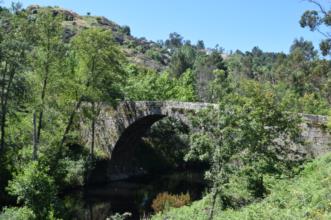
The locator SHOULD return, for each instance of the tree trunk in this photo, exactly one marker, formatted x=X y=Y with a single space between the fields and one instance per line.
x=3 y=124
x=2 y=144
x=43 y=94
x=70 y=122
x=73 y=113
x=213 y=201
x=35 y=145
x=4 y=107
x=93 y=131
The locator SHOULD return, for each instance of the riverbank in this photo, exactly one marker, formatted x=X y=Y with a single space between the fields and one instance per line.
x=306 y=196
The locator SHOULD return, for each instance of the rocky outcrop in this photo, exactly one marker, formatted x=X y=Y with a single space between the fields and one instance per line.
x=67 y=14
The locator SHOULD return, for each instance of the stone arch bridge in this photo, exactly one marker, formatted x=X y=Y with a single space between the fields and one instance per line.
x=117 y=131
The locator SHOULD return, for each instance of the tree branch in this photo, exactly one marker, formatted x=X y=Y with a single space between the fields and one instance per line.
x=320 y=7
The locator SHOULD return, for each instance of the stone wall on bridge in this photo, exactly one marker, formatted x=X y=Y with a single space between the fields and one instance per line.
x=315 y=134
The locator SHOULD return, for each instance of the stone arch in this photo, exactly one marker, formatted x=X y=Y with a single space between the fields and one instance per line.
x=119 y=127
x=124 y=148
x=112 y=122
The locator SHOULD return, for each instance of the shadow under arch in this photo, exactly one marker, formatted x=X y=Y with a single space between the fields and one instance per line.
x=122 y=163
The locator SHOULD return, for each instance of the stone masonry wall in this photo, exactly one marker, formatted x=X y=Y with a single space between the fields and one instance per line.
x=111 y=123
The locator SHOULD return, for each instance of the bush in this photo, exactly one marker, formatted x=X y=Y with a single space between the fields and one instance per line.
x=23 y=213
x=165 y=200
x=306 y=196
x=74 y=171
x=35 y=189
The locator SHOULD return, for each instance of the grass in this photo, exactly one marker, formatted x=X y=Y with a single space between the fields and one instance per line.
x=308 y=196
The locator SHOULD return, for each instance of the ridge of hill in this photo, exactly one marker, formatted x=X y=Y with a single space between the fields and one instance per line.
x=140 y=51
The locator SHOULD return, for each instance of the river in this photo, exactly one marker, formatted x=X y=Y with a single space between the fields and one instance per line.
x=135 y=195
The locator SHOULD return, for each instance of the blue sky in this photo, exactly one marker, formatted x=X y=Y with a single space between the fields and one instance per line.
x=233 y=24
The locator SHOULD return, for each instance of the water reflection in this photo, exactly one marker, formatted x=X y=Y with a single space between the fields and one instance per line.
x=134 y=196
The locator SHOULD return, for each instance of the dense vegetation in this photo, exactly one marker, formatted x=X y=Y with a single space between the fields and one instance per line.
x=57 y=67
x=306 y=196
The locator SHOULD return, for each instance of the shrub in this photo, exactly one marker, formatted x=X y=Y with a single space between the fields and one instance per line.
x=74 y=171
x=35 y=189
x=165 y=200
x=23 y=213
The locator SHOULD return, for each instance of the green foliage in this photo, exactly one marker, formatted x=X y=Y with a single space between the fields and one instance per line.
x=206 y=69
x=318 y=21
x=22 y=213
x=35 y=189
x=99 y=65
x=298 y=79
x=60 y=76
x=174 y=41
x=184 y=87
x=14 y=44
x=153 y=86
x=182 y=59
x=309 y=103
x=303 y=197
x=200 y=45
x=306 y=48
x=74 y=171
x=155 y=55
x=241 y=140
x=126 y=30
x=219 y=87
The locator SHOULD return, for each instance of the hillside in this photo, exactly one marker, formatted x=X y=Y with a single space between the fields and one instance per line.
x=300 y=76
x=137 y=50
x=304 y=197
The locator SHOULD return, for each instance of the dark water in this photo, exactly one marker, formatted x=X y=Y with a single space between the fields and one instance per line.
x=134 y=196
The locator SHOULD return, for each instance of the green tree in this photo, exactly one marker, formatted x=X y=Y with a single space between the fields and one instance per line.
x=184 y=87
x=175 y=41
x=46 y=63
x=149 y=85
x=182 y=59
x=200 y=45
x=15 y=213
x=35 y=189
x=14 y=90
x=219 y=87
x=243 y=136
x=319 y=20
x=203 y=72
x=306 y=48
x=13 y=47
x=100 y=72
